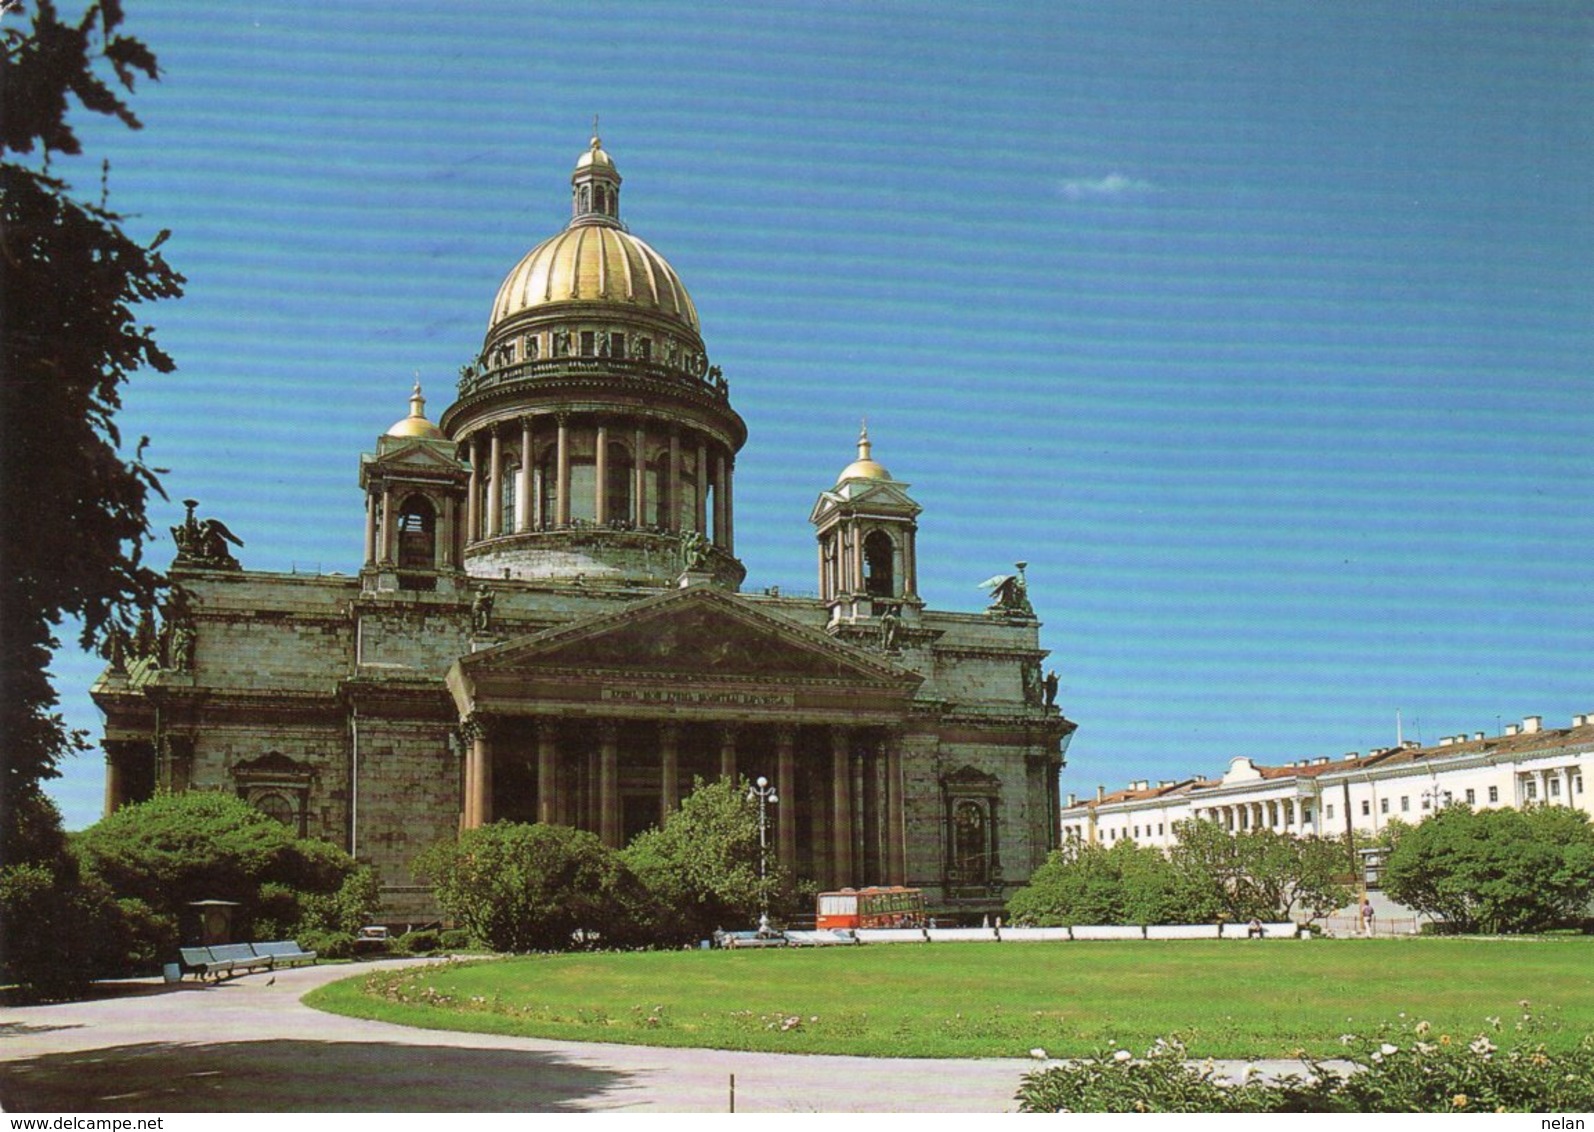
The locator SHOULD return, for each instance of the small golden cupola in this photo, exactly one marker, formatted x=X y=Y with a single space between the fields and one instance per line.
x=416 y=423
x=864 y=467
x=595 y=187
x=866 y=527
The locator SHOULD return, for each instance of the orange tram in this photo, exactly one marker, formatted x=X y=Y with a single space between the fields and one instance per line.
x=894 y=907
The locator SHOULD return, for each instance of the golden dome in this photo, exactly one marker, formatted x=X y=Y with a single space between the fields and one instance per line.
x=594 y=260
x=595 y=156
x=416 y=423
x=863 y=468
x=590 y=263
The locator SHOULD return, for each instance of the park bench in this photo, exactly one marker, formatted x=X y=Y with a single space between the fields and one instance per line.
x=240 y=955
x=284 y=951
x=223 y=959
x=202 y=963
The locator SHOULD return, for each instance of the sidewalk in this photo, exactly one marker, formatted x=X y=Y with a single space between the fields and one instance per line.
x=249 y=1045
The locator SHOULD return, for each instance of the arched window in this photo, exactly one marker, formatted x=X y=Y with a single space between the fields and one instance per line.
x=417 y=533
x=659 y=491
x=484 y=493
x=599 y=200
x=548 y=488
x=617 y=492
x=878 y=553
x=279 y=809
x=831 y=581
x=507 y=494
x=583 y=489
x=687 y=515
x=970 y=853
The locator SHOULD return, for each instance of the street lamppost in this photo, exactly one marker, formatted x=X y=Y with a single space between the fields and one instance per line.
x=764 y=794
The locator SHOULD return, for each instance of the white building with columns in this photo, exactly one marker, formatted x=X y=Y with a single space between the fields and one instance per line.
x=1529 y=764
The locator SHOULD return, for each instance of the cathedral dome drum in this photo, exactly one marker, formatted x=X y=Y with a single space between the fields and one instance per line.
x=600 y=443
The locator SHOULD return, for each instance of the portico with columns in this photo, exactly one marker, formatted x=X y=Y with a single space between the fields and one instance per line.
x=605 y=724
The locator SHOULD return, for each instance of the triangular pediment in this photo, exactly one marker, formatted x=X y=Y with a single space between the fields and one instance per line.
x=700 y=632
x=419 y=455
x=273 y=765
x=885 y=497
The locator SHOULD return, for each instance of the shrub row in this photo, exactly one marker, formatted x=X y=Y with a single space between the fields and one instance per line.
x=1417 y=1071
x=114 y=900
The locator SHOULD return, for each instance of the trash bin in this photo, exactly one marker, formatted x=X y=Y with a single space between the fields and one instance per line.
x=173 y=972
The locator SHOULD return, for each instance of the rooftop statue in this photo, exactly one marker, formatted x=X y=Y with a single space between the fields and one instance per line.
x=202 y=543
x=890 y=629
x=694 y=551
x=481 y=611
x=1009 y=594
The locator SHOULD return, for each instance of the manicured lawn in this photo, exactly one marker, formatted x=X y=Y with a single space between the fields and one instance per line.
x=1224 y=999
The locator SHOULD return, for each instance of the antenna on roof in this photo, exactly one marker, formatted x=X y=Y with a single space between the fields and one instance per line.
x=1400 y=739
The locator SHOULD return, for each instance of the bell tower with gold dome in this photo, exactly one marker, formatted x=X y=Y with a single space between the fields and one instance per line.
x=600 y=441
x=866 y=527
x=414 y=497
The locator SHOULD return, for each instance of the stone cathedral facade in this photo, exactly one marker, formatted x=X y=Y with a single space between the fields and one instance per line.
x=548 y=626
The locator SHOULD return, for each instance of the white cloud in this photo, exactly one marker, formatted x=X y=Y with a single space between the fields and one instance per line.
x=1112 y=185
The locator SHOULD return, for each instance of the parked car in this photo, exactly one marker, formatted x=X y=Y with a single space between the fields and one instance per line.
x=371 y=939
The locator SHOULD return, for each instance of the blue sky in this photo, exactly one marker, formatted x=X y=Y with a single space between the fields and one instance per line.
x=1262 y=332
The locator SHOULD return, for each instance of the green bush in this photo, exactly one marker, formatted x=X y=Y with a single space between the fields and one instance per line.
x=1209 y=874
x=328 y=945
x=1496 y=870
x=51 y=924
x=148 y=938
x=60 y=926
x=1114 y=1080
x=351 y=907
x=454 y=939
x=517 y=887
x=277 y=912
x=1409 y=1069
x=702 y=866
x=421 y=942
x=178 y=848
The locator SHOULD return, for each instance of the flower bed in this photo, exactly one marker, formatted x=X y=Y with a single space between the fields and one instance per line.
x=1403 y=1067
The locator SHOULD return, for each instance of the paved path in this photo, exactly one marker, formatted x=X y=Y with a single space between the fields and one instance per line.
x=250 y=1045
